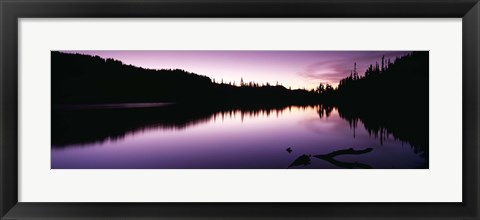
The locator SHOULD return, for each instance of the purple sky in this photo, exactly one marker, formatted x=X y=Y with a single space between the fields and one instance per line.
x=297 y=69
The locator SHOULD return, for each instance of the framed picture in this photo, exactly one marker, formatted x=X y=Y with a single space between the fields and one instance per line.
x=226 y=109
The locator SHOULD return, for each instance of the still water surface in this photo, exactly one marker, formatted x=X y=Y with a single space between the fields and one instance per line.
x=172 y=137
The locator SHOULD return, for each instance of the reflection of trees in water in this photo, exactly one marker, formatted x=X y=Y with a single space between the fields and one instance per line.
x=405 y=124
x=325 y=111
x=85 y=126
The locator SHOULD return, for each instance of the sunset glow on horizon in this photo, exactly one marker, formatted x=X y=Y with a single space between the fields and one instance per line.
x=294 y=69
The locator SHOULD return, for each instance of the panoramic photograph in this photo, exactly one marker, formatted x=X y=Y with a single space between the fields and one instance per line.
x=239 y=109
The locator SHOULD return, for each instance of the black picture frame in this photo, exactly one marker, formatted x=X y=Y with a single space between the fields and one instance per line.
x=12 y=10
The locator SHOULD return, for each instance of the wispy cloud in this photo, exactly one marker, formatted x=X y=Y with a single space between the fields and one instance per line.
x=333 y=70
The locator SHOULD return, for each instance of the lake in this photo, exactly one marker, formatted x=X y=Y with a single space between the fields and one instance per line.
x=169 y=136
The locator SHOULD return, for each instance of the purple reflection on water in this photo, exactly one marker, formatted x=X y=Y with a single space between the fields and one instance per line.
x=240 y=141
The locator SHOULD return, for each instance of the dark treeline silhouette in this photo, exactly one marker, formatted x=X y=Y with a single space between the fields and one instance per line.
x=390 y=98
x=88 y=79
x=398 y=83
